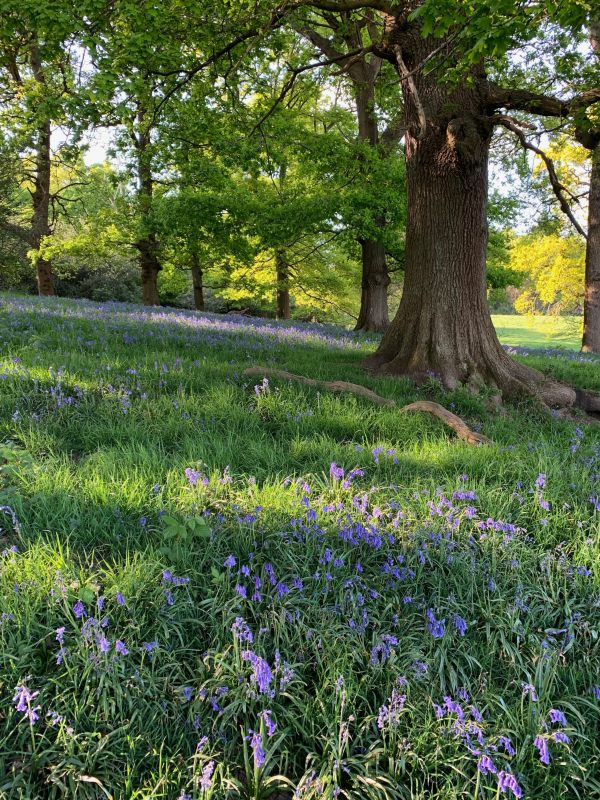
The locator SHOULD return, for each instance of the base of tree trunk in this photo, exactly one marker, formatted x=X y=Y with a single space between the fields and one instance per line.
x=373 y=316
x=150 y=295
x=197 y=283
x=45 y=278
x=458 y=351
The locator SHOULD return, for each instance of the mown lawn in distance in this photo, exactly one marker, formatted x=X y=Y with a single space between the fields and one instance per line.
x=215 y=587
x=549 y=332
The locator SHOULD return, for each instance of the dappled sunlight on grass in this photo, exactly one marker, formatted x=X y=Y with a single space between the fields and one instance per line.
x=189 y=559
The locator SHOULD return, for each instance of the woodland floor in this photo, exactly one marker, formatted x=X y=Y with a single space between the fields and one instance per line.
x=214 y=587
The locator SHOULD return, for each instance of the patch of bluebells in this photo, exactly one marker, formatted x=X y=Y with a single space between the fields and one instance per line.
x=364 y=552
x=24 y=703
x=436 y=627
x=262 y=676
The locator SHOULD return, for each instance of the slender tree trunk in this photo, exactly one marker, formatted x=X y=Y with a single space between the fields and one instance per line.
x=590 y=138
x=375 y=279
x=40 y=220
x=591 y=305
x=443 y=327
x=147 y=244
x=197 y=276
x=283 y=290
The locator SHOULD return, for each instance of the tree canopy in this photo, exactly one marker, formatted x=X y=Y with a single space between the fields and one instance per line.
x=315 y=157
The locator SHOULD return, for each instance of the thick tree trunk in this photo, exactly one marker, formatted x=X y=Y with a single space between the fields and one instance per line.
x=197 y=277
x=373 y=315
x=283 y=289
x=591 y=305
x=443 y=327
x=375 y=279
x=40 y=220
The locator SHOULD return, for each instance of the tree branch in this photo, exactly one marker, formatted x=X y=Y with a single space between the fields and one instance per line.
x=557 y=186
x=544 y=105
x=407 y=77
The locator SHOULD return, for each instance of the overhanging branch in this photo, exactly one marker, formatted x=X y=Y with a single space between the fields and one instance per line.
x=557 y=187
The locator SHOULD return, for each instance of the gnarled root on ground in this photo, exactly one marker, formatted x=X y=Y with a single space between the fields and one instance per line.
x=458 y=425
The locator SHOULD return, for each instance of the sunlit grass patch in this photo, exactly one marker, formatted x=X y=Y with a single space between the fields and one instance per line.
x=213 y=590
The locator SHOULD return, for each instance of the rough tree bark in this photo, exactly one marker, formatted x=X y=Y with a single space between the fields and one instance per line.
x=197 y=282
x=40 y=220
x=147 y=244
x=591 y=304
x=443 y=327
x=283 y=290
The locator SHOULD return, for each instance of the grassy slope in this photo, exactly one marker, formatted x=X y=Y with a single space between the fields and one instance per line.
x=103 y=409
x=546 y=332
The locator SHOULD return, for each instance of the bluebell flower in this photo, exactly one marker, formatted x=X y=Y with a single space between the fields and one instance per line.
x=79 y=609
x=192 y=475
x=270 y=725
x=485 y=765
x=557 y=717
x=335 y=471
x=242 y=630
x=506 y=743
x=460 y=624
x=261 y=672
x=121 y=648
x=256 y=743
x=508 y=782
x=529 y=690
x=206 y=777
x=23 y=700
x=437 y=627
x=542 y=745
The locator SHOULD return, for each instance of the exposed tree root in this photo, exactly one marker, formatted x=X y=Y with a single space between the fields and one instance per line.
x=332 y=386
x=458 y=425
x=448 y=418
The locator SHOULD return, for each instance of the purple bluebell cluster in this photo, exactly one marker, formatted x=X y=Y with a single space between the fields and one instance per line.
x=277 y=626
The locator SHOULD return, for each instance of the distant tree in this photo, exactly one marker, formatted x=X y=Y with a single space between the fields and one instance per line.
x=36 y=96
x=344 y=47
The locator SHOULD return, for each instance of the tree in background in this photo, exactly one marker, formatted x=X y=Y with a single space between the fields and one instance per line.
x=342 y=40
x=37 y=42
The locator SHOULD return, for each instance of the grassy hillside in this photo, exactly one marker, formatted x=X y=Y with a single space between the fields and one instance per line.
x=218 y=587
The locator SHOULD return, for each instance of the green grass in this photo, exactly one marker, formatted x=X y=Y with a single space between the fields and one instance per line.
x=539 y=331
x=102 y=411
